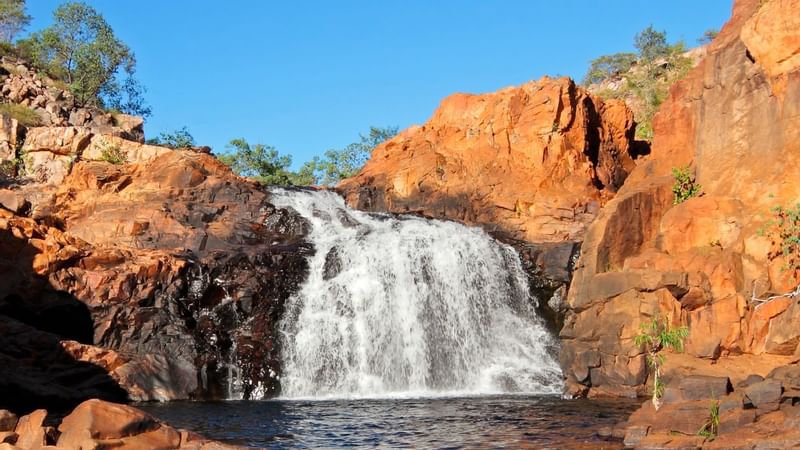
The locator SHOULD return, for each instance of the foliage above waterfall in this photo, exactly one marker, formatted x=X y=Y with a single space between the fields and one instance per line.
x=337 y=165
x=265 y=164
x=643 y=78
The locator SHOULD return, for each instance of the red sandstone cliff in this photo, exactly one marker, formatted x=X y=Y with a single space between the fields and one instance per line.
x=735 y=121
x=535 y=161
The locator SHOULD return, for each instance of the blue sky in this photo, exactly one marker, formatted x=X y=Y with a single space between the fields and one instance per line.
x=307 y=76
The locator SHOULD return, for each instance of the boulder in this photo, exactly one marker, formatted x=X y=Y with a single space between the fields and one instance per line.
x=13 y=200
x=62 y=141
x=765 y=396
x=698 y=387
x=731 y=421
x=789 y=377
x=99 y=424
x=99 y=420
x=131 y=127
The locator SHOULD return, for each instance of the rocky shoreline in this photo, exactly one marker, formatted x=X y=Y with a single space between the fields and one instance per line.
x=97 y=424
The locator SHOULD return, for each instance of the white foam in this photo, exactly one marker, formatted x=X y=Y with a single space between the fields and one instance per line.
x=419 y=308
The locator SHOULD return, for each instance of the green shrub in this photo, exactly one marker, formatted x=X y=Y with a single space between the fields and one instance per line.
x=260 y=162
x=180 y=138
x=656 y=336
x=8 y=168
x=81 y=49
x=113 y=154
x=338 y=164
x=608 y=66
x=24 y=115
x=783 y=230
x=685 y=186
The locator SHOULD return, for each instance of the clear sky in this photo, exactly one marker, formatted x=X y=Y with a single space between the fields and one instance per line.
x=306 y=76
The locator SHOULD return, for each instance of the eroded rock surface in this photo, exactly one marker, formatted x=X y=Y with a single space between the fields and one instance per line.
x=759 y=413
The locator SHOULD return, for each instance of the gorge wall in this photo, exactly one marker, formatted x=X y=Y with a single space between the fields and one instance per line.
x=734 y=120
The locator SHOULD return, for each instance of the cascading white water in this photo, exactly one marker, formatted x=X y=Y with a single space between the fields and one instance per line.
x=404 y=306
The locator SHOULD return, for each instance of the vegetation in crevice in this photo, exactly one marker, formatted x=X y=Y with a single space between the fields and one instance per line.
x=783 y=230
x=24 y=115
x=685 y=185
x=710 y=429
x=655 y=336
x=113 y=154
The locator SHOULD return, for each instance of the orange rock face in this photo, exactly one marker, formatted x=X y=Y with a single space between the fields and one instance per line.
x=735 y=122
x=535 y=161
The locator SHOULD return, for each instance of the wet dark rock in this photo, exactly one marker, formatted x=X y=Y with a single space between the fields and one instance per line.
x=333 y=264
x=549 y=268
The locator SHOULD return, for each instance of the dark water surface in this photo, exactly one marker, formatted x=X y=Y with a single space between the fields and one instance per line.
x=474 y=422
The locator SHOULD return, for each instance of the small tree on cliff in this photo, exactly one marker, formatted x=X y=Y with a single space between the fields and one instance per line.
x=651 y=44
x=608 y=66
x=646 y=75
x=81 y=49
x=656 y=336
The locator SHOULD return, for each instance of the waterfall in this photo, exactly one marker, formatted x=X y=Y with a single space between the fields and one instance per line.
x=405 y=306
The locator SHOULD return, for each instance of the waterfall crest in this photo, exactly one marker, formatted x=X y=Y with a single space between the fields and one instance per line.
x=405 y=306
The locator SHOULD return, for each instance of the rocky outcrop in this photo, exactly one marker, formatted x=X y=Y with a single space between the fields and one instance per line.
x=702 y=263
x=535 y=162
x=97 y=424
x=54 y=104
x=710 y=412
x=157 y=279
